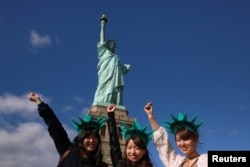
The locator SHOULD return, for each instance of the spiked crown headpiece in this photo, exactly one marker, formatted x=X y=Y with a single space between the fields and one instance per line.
x=88 y=122
x=136 y=130
x=182 y=122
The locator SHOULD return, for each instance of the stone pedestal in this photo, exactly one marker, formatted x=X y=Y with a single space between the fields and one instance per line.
x=121 y=115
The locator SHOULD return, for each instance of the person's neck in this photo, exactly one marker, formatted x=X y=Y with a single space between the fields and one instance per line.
x=192 y=156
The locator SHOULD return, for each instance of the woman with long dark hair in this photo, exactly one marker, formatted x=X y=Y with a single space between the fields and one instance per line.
x=85 y=150
x=135 y=152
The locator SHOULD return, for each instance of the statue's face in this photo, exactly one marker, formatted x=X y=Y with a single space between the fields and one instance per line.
x=111 y=46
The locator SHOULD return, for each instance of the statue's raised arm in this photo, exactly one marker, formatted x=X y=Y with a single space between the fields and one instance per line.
x=103 y=20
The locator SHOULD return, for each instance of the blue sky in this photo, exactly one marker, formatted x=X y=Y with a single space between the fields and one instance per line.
x=185 y=56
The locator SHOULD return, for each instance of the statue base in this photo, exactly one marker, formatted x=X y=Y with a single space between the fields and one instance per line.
x=120 y=107
x=121 y=115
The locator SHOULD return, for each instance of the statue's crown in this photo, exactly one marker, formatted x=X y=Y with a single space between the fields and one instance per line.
x=136 y=130
x=182 y=122
x=88 y=122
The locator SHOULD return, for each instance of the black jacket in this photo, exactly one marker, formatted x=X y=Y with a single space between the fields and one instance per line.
x=61 y=140
x=115 y=150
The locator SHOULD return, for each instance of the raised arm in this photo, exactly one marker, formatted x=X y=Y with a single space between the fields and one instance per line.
x=115 y=150
x=55 y=128
x=165 y=150
x=103 y=20
x=148 y=108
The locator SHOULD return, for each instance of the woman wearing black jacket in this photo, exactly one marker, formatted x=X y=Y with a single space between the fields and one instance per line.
x=135 y=152
x=85 y=150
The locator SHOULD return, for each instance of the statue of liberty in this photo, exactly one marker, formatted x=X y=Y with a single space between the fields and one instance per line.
x=110 y=71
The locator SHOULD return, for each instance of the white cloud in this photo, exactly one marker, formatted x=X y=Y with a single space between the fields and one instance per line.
x=79 y=99
x=38 y=40
x=68 y=108
x=27 y=143
x=10 y=104
x=233 y=132
x=58 y=41
x=244 y=108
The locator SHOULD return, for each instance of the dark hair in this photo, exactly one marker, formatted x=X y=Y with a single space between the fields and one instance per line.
x=145 y=161
x=92 y=157
x=186 y=134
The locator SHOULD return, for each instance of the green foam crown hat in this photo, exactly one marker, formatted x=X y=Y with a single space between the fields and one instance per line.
x=182 y=122
x=136 y=130
x=88 y=122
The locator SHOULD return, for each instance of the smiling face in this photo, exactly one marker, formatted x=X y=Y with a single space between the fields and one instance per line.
x=186 y=142
x=90 y=142
x=134 y=150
